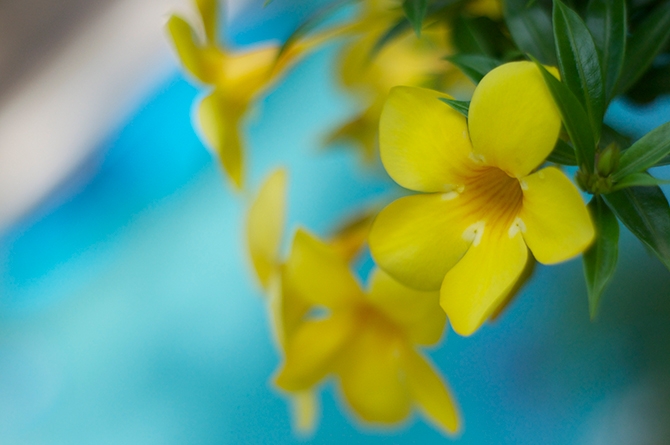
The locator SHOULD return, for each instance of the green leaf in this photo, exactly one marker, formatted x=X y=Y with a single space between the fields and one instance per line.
x=606 y=19
x=474 y=66
x=531 y=29
x=601 y=258
x=664 y=161
x=638 y=180
x=647 y=41
x=574 y=118
x=415 y=11
x=645 y=211
x=645 y=153
x=563 y=154
x=578 y=62
x=475 y=35
x=610 y=135
x=459 y=105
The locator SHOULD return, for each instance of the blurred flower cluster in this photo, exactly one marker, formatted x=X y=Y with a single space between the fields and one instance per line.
x=492 y=172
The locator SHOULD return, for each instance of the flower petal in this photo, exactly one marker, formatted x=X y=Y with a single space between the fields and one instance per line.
x=370 y=375
x=247 y=72
x=481 y=281
x=417 y=239
x=360 y=131
x=305 y=409
x=196 y=59
x=423 y=142
x=350 y=238
x=557 y=225
x=513 y=120
x=525 y=276
x=286 y=309
x=311 y=352
x=319 y=275
x=430 y=392
x=265 y=225
x=208 y=10
x=219 y=123
x=418 y=312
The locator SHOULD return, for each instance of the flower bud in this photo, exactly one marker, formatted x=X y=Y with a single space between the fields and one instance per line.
x=607 y=160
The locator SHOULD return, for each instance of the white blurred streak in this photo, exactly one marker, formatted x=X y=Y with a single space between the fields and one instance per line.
x=55 y=118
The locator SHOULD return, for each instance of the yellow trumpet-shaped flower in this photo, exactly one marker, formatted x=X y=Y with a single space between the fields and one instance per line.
x=404 y=60
x=483 y=207
x=407 y=60
x=237 y=78
x=265 y=227
x=367 y=339
x=264 y=232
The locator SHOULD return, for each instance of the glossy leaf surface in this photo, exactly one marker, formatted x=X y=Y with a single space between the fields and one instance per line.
x=601 y=258
x=645 y=211
x=578 y=62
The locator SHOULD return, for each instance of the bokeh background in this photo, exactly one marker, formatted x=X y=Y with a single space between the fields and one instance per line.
x=128 y=310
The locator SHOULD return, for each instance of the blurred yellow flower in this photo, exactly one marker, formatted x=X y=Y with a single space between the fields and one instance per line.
x=237 y=78
x=368 y=340
x=489 y=8
x=264 y=232
x=406 y=60
x=469 y=234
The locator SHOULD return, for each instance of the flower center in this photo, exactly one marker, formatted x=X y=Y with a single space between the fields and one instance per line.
x=371 y=317
x=491 y=198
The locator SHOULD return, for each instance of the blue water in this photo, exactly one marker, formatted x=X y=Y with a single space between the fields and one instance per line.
x=129 y=315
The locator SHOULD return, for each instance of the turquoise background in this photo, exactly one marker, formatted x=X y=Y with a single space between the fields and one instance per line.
x=129 y=313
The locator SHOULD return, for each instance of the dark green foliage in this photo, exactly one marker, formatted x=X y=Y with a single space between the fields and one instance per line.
x=415 y=11
x=579 y=64
x=647 y=41
x=563 y=154
x=645 y=211
x=474 y=66
x=574 y=118
x=461 y=106
x=606 y=19
x=601 y=258
x=531 y=29
x=645 y=153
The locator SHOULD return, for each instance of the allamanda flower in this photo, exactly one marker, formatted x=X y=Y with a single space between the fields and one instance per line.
x=483 y=206
x=237 y=79
x=406 y=60
x=367 y=339
x=287 y=310
x=264 y=231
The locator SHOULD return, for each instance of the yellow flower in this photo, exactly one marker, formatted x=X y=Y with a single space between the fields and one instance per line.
x=237 y=79
x=406 y=60
x=351 y=237
x=488 y=8
x=483 y=206
x=264 y=232
x=367 y=339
